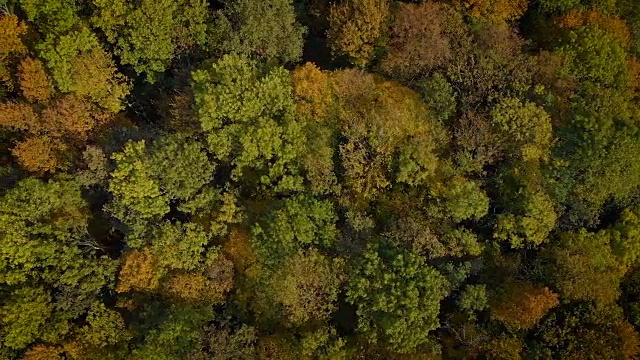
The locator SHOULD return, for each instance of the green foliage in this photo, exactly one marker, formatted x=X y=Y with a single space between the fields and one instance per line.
x=463 y=199
x=307 y=287
x=585 y=331
x=296 y=223
x=268 y=29
x=397 y=296
x=78 y=64
x=149 y=34
x=598 y=151
x=176 y=336
x=474 y=298
x=596 y=56
x=49 y=260
x=248 y=114
x=625 y=237
x=52 y=16
x=583 y=266
x=526 y=128
x=179 y=246
x=147 y=178
x=137 y=196
x=24 y=316
x=439 y=95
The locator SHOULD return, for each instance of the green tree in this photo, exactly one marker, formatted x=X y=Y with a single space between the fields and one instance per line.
x=296 y=223
x=78 y=64
x=149 y=34
x=307 y=287
x=474 y=298
x=585 y=331
x=524 y=127
x=397 y=297
x=50 y=258
x=267 y=28
x=52 y=16
x=248 y=115
x=582 y=266
x=594 y=55
x=147 y=178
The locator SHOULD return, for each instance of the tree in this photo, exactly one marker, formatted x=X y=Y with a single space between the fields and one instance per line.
x=139 y=271
x=594 y=55
x=356 y=27
x=474 y=298
x=137 y=197
x=38 y=154
x=45 y=227
x=397 y=297
x=625 y=236
x=296 y=223
x=52 y=16
x=268 y=29
x=313 y=92
x=12 y=31
x=149 y=34
x=488 y=62
x=530 y=214
x=78 y=64
x=439 y=95
x=393 y=140
x=307 y=287
x=43 y=352
x=585 y=331
x=614 y=26
x=494 y=10
x=148 y=177
x=34 y=81
x=248 y=116
x=596 y=153
x=24 y=316
x=521 y=305
x=525 y=127
x=583 y=267
x=417 y=43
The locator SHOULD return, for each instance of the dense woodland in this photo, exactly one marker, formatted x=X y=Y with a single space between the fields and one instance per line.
x=317 y=179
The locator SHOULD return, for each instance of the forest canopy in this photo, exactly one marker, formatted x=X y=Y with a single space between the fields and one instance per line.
x=319 y=179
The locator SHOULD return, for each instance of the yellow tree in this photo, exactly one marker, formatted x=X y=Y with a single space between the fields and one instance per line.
x=494 y=10
x=34 y=81
x=521 y=305
x=355 y=27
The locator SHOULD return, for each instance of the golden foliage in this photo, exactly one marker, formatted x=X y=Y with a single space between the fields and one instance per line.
x=312 y=91
x=34 y=82
x=630 y=340
x=38 y=154
x=139 y=272
x=11 y=45
x=521 y=304
x=19 y=116
x=504 y=348
x=43 y=352
x=494 y=10
x=73 y=117
x=209 y=287
x=238 y=249
x=11 y=32
x=355 y=27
